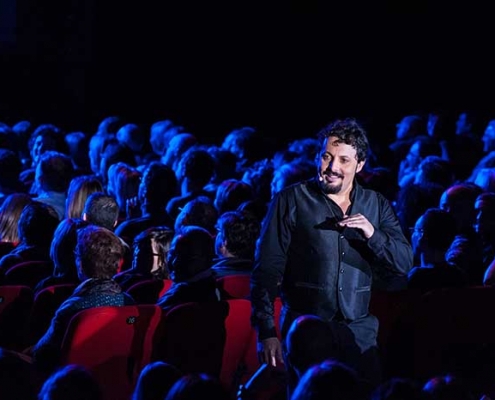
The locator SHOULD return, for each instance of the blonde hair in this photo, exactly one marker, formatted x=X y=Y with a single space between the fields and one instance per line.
x=10 y=212
x=79 y=189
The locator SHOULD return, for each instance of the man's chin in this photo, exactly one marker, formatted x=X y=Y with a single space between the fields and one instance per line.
x=331 y=189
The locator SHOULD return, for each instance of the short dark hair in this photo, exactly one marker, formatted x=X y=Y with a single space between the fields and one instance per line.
x=56 y=171
x=101 y=209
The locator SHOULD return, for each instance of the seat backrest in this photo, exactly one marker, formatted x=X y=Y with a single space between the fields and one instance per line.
x=192 y=337
x=446 y=329
x=15 y=303
x=239 y=335
x=235 y=286
x=46 y=302
x=149 y=291
x=251 y=360
x=115 y=343
x=387 y=306
x=28 y=273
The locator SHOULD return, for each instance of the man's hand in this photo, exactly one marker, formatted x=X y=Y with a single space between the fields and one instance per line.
x=270 y=351
x=358 y=221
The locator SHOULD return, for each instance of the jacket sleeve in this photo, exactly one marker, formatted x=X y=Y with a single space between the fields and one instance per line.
x=269 y=265
x=388 y=243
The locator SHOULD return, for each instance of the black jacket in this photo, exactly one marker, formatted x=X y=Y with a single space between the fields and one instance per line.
x=318 y=267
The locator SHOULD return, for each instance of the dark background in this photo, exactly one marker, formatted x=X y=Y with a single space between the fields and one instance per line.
x=284 y=68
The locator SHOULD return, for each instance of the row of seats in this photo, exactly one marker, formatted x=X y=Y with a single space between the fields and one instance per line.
x=115 y=343
x=26 y=315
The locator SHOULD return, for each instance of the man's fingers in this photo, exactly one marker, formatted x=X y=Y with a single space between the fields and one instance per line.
x=273 y=361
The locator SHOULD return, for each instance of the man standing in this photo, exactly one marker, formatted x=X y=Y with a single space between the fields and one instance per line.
x=322 y=242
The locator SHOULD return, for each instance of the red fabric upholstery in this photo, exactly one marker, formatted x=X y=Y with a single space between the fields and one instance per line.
x=235 y=286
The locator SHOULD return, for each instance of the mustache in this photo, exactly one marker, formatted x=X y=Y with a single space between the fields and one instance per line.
x=330 y=173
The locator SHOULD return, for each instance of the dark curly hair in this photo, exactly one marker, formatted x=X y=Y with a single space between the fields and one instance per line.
x=350 y=132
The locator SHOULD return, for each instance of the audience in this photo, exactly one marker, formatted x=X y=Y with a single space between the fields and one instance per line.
x=195 y=201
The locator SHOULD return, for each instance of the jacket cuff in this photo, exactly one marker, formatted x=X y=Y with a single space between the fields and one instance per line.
x=266 y=333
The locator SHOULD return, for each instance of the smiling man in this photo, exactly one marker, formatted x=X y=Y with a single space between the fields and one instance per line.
x=322 y=241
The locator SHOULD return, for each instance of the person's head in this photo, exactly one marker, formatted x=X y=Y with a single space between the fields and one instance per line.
x=231 y=193
x=44 y=138
x=484 y=207
x=109 y=125
x=237 y=235
x=157 y=135
x=158 y=185
x=73 y=382
x=191 y=254
x=410 y=126
x=133 y=136
x=63 y=246
x=37 y=223
x=177 y=146
x=99 y=253
x=447 y=387
x=434 y=231
x=434 y=170
x=329 y=380
x=10 y=211
x=310 y=340
x=80 y=188
x=96 y=145
x=102 y=210
x=466 y=122
x=150 y=249
x=10 y=165
x=421 y=148
x=54 y=172
x=344 y=148
x=124 y=182
x=200 y=212
x=488 y=137
x=195 y=386
x=459 y=200
x=290 y=173
x=78 y=147
x=155 y=381
x=196 y=165
x=113 y=152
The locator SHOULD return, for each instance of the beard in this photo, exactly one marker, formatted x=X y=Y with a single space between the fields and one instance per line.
x=328 y=188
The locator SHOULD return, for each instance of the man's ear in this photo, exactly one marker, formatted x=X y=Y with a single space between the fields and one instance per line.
x=115 y=223
x=360 y=166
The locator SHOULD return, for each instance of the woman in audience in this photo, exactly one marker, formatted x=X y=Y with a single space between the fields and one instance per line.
x=10 y=211
x=80 y=188
x=62 y=254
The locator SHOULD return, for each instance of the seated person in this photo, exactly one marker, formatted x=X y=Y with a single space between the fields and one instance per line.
x=432 y=235
x=99 y=254
x=36 y=226
x=189 y=260
x=235 y=243
x=149 y=261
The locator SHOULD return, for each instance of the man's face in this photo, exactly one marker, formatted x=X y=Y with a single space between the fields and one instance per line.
x=337 y=166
